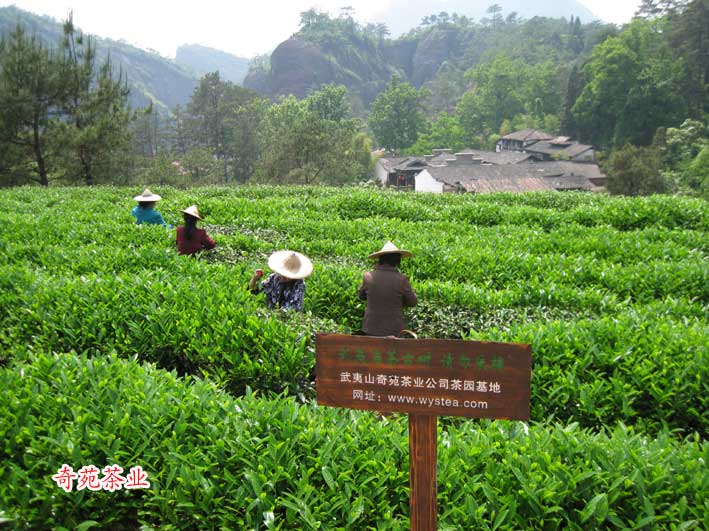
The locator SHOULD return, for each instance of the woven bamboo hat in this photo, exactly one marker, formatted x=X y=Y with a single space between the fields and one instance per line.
x=390 y=248
x=192 y=211
x=147 y=197
x=290 y=264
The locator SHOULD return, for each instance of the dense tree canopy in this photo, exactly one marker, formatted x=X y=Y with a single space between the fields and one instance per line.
x=397 y=115
x=314 y=140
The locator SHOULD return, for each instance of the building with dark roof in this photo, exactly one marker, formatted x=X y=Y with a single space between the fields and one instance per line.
x=519 y=140
x=556 y=150
x=543 y=146
x=399 y=171
x=522 y=177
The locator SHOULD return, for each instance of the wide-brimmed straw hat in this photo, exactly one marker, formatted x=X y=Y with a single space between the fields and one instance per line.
x=147 y=197
x=290 y=264
x=390 y=248
x=192 y=211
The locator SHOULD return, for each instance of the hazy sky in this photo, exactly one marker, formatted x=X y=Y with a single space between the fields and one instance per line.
x=241 y=27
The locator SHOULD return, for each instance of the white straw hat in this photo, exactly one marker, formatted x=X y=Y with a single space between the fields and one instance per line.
x=290 y=264
x=147 y=197
x=192 y=211
x=390 y=248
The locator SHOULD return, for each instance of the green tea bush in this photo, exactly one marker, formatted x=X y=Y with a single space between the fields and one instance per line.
x=583 y=277
x=219 y=462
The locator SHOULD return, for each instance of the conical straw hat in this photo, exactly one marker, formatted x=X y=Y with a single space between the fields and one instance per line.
x=147 y=197
x=290 y=264
x=192 y=211
x=390 y=248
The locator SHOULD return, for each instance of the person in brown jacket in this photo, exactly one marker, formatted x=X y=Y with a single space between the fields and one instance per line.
x=387 y=292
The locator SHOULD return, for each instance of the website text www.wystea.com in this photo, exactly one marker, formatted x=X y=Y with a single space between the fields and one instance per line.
x=435 y=402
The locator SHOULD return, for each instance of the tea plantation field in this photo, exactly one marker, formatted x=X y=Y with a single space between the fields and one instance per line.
x=115 y=350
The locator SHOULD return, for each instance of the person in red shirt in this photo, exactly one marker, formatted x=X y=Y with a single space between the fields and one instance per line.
x=190 y=239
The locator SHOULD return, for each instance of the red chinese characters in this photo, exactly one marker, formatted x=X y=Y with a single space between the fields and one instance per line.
x=112 y=479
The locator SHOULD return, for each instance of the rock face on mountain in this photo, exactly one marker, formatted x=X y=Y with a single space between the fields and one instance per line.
x=436 y=47
x=300 y=67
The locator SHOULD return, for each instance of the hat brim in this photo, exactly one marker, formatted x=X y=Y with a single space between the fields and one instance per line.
x=402 y=252
x=276 y=262
x=147 y=198
x=191 y=214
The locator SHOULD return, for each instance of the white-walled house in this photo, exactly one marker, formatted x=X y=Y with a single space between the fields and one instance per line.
x=425 y=182
x=467 y=176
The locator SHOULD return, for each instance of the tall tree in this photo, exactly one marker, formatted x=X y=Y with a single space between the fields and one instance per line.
x=636 y=170
x=444 y=132
x=397 y=115
x=215 y=109
x=504 y=88
x=29 y=92
x=95 y=104
x=687 y=31
x=574 y=87
x=313 y=141
x=634 y=86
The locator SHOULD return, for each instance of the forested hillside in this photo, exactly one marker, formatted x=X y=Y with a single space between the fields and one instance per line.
x=203 y=60
x=151 y=77
x=435 y=55
x=312 y=111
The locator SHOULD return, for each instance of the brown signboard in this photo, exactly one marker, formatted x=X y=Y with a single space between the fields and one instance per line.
x=425 y=376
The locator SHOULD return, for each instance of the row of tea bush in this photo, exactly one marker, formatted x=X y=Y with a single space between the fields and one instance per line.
x=219 y=462
x=616 y=315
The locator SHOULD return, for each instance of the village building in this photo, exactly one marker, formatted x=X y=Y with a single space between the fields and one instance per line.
x=477 y=177
x=399 y=171
x=519 y=140
x=528 y=160
x=561 y=148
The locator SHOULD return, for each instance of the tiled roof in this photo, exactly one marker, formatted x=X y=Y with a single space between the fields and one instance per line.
x=525 y=135
x=548 y=148
x=501 y=157
x=411 y=163
x=390 y=163
x=517 y=177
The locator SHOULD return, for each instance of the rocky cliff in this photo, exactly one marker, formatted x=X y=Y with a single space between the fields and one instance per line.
x=300 y=66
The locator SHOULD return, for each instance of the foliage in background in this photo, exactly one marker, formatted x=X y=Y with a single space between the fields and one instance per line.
x=313 y=141
x=504 y=88
x=397 y=115
x=636 y=171
x=444 y=132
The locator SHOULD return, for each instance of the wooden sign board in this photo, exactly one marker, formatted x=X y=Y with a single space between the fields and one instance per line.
x=424 y=376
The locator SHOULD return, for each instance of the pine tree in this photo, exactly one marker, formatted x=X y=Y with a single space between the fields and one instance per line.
x=28 y=99
x=95 y=103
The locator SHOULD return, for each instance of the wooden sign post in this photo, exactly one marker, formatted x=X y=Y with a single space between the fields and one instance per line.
x=424 y=378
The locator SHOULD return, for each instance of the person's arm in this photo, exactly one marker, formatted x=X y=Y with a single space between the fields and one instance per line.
x=207 y=242
x=408 y=295
x=362 y=291
x=253 y=283
x=161 y=221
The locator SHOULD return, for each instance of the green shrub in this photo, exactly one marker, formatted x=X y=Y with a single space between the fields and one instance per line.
x=580 y=276
x=218 y=462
